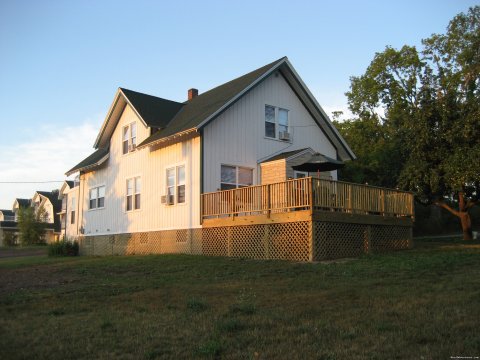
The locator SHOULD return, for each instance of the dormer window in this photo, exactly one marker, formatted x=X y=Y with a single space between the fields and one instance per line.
x=129 y=138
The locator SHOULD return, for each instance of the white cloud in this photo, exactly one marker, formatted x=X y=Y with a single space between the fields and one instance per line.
x=46 y=157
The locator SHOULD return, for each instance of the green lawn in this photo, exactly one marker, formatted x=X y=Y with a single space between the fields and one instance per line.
x=416 y=304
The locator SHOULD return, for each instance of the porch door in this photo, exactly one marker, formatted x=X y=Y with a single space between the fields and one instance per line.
x=300 y=196
x=300 y=174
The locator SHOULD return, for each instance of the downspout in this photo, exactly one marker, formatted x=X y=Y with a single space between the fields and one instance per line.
x=78 y=201
x=66 y=218
x=201 y=176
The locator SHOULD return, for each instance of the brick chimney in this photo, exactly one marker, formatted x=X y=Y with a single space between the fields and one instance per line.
x=192 y=93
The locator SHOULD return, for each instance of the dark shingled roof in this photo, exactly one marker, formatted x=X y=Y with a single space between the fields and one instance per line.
x=284 y=155
x=204 y=105
x=57 y=207
x=70 y=183
x=23 y=202
x=90 y=161
x=7 y=212
x=155 y=111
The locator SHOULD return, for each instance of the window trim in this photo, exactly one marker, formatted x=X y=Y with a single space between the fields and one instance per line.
x=96 y=199
x=237 y=184
x=176 y=183
x=134 y=194
x=72 y=212
x=276 y=122
x=129 y=137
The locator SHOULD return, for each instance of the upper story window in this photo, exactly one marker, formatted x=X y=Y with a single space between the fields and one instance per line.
x=276 y=123
x=129 y=137
x=134 y=190
x=72 y=211
x=233 y=177
x=96 y=197
x=176 y=185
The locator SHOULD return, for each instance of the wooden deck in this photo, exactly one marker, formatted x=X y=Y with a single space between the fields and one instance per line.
x=299 y=199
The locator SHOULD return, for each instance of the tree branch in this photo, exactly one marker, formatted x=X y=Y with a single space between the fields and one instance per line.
x=446 y=207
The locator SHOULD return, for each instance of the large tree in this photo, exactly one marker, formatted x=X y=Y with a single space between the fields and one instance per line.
x=427 y=106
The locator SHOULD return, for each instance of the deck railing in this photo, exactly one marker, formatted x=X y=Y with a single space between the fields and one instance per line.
x=308 y=194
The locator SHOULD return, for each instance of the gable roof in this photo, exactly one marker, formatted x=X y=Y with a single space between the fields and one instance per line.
x=53 y=197
x=154 y=111
x=22 y=203
x=97 y=158
x=175 y=119
x=205 y=105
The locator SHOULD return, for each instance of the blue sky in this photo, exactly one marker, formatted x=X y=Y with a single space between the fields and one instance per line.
x=62 y=61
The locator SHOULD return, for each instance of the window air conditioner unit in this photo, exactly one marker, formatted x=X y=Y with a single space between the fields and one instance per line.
x=284 y=135
x=167 y=199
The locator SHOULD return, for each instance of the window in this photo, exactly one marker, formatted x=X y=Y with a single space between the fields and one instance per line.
x=180 y=184
x=233 y=177
x=97 y=197
x=176 y=185
x=72 y=212
x=134 y=189
x=276 y=122
x=129 y=137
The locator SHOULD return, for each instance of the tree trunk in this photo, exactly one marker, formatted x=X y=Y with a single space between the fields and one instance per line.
x=466 y=222
x=462 y=214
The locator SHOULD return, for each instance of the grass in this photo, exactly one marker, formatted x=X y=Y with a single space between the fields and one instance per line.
x=421 y=303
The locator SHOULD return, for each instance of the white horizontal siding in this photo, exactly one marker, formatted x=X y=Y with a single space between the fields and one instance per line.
x=150 y=166
x=237 y=137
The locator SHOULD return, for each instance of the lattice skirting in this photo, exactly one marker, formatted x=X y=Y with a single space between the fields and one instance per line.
x=295 y=241
x=288 y=241
x=332 y=240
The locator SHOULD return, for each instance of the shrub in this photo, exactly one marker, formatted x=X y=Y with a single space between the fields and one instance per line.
x=10 y=239
x=63 y=247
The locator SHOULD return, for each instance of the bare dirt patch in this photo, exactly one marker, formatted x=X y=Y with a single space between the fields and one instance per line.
x=9 y=253
x=32 y=278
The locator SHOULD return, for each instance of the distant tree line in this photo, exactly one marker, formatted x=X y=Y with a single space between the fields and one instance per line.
x=417 y=120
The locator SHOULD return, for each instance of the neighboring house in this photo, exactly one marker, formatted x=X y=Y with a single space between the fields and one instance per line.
x=155 y=158
x=8 y=226
x=9 y=221
x=68 y=195
x=51 y=205
x=19 y=204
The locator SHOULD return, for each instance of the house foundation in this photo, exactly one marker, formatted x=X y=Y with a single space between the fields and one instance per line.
x=295 y=236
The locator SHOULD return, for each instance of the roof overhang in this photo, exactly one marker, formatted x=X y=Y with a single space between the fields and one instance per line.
x=180 y=136
x=287 y=158
x=65 y=187
x=90 y=166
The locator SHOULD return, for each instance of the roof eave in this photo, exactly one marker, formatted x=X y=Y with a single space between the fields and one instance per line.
x=178 y=135
x=322 y=112
x=88 y=167
x=101 y=133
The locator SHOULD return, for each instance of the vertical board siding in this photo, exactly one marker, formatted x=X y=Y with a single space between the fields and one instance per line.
x=150 y=166
x=237 y=136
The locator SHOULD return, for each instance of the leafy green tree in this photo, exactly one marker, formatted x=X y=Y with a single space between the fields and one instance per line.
x=426 y=105
x=31 y=225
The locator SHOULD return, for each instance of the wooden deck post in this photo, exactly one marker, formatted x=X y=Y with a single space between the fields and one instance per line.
x=384 y=203
x=310 y=194
x=269 y=204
